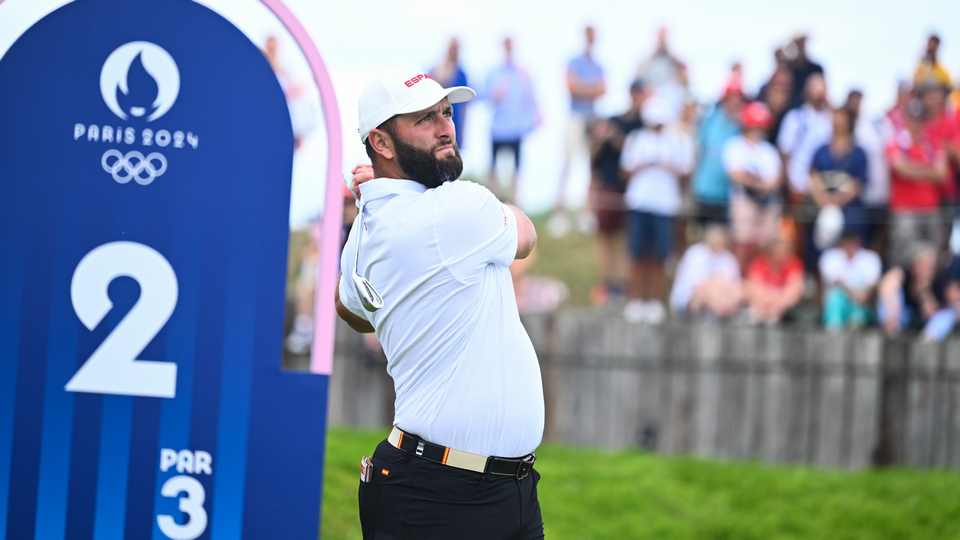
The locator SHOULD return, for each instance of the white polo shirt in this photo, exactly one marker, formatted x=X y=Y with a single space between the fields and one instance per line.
x=698 y=264
x=803 y=131
x=656 y=189
x=757 y=158
x=857 y=273
x=464 y=369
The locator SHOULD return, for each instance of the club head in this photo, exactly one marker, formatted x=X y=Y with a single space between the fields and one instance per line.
x=369 y=296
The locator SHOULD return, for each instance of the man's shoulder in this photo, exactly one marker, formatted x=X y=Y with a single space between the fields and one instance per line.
x=461 y=196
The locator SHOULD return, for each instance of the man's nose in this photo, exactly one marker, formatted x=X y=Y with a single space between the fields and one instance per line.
x=445 y=128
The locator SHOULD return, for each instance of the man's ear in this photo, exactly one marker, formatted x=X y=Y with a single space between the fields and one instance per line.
x=381 y=143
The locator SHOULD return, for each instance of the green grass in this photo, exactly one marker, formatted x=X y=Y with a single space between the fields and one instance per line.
x=571 y=259
x=593 y=494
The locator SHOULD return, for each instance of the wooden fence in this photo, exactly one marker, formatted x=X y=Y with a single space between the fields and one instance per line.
x=848 y=400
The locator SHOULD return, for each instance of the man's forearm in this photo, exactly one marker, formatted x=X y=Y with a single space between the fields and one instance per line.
x=358 y=324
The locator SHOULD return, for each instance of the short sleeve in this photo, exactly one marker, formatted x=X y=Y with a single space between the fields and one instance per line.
x=830 y=271
x=349 y=297
x=860 y=166
x=787 y=139
x=821 y=160
x=953 y=271
x=473 y=229
x=757 y=270
x=733 y=159
x=874 y=269
x=794 y=269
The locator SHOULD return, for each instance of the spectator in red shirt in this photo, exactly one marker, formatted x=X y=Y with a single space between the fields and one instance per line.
x=942 y=130
x=774 y=283
x=918 y=168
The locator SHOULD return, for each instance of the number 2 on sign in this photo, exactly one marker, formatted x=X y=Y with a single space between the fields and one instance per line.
x=114 y=368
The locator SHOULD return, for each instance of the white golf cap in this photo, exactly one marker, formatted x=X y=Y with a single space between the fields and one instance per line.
x=403 y=90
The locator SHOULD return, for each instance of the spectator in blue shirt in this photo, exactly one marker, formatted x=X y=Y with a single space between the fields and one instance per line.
x=710 y=181
x=515 y=114
x=838 y=174
x=449 y=73
x=586 y=84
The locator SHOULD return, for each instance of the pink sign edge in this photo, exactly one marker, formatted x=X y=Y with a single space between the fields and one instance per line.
x=321 y=359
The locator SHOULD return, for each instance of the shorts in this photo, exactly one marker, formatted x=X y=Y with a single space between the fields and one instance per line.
x=907 y=228
x=577 y=136
x=513 y=146
x=707 y=213
x=651 y=235
x=752 y=223
x=611 y=213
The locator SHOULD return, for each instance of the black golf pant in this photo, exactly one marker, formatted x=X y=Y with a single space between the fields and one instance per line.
x=412 y=498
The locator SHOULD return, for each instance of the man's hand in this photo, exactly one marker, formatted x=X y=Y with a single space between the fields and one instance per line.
x=362 y=172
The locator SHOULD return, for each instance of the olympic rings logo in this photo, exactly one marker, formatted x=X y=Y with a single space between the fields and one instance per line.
x=133 y=165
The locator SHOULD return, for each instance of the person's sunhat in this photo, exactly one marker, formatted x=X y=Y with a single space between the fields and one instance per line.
x=403 y=90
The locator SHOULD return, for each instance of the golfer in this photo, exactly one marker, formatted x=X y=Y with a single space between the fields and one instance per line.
x=469 y=405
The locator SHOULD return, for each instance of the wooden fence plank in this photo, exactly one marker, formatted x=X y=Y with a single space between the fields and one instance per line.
x=865 y=413
x=923 y=364
x=952 y=424
x=830 y=409
x=708 y=341
x=775 y=430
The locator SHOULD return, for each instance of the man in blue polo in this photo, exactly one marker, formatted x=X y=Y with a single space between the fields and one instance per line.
x=469 y=405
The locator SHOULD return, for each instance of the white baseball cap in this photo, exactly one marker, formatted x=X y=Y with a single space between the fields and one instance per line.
x=403 y=90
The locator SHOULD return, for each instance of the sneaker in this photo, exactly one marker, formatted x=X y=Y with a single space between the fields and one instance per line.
x=635 y=311
x=300 y=339
x=558 y=225
x=587 y=223
x=655 y=312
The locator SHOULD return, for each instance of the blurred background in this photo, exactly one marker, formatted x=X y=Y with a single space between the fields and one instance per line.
x=747 y=214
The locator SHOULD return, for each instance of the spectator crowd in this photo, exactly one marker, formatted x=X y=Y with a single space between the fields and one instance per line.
x=763 y=207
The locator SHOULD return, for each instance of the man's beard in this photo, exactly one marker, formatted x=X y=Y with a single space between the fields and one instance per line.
x=424 y=167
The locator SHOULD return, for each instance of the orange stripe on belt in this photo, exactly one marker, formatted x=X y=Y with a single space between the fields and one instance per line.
x=446 y=452
x=400 y=442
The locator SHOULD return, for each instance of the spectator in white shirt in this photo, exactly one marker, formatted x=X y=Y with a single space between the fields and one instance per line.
x=655 y=158
x=753 y=166
x=707 y=284
x=850 y=275
x=804 y=130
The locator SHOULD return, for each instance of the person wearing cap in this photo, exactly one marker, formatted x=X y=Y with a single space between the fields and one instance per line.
x=711 y=185
x=849 y=274
x=655 y=159
x=918 y=169
x=753 y=167
x=469 y=408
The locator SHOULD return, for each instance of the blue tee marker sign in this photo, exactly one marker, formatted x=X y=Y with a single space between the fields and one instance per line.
x=145 y=170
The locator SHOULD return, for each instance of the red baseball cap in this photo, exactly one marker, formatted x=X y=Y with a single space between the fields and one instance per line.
x=756 y=115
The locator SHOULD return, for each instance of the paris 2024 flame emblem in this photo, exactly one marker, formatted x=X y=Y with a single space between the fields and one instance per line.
x=139 y=83
x=139 y=79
